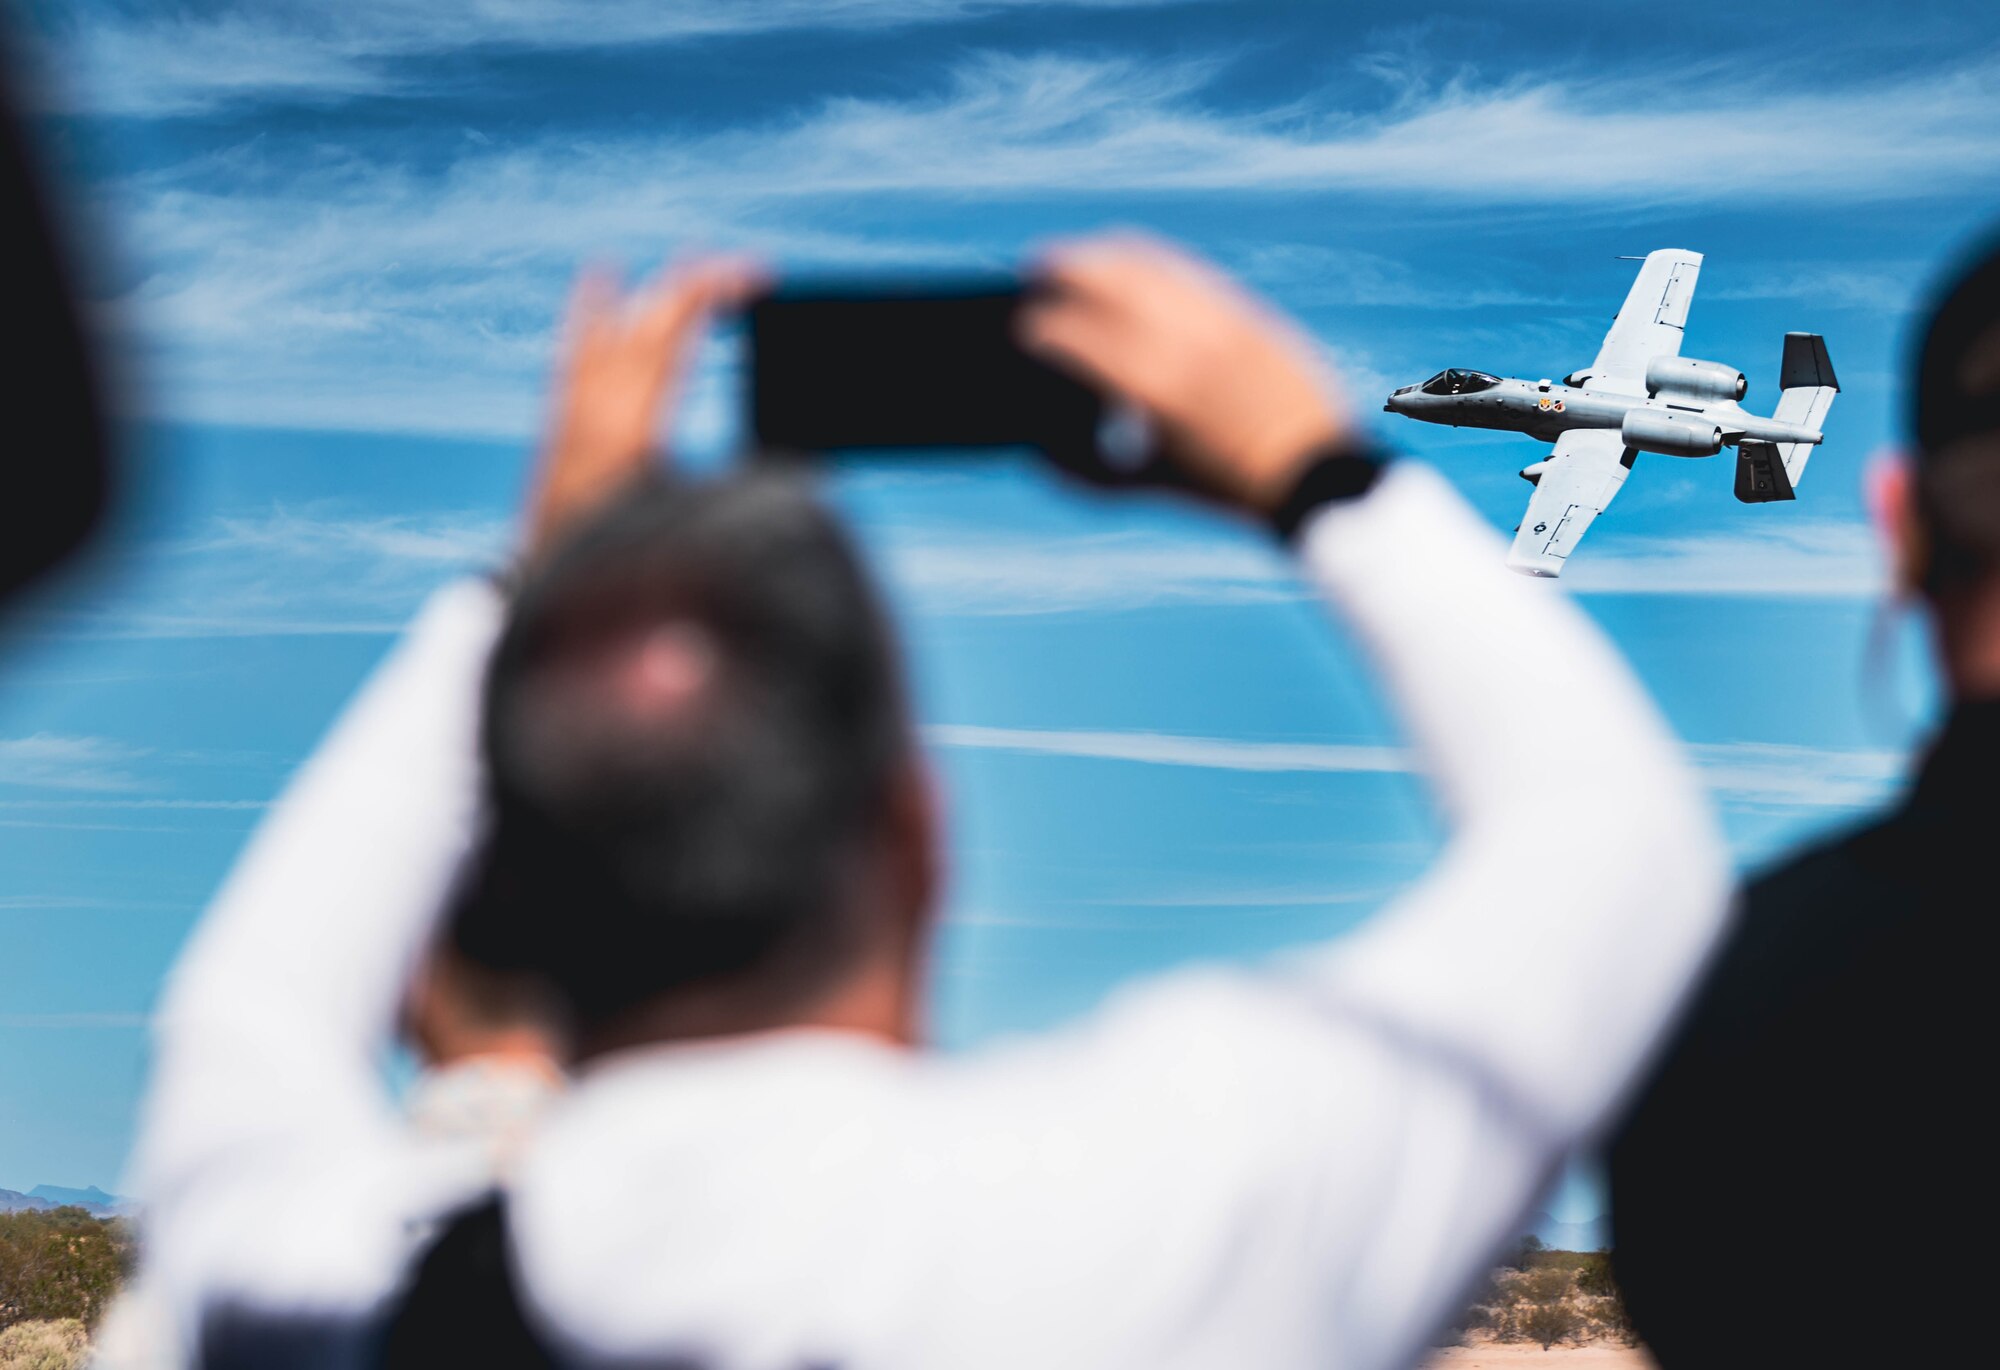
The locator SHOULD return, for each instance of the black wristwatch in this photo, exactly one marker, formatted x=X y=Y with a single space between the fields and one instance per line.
x=1343 y=469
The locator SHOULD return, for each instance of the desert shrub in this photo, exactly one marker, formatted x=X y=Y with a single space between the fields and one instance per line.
x=1593 y=1276
x=50 y=1345
x=1549 y=1258
x=1615 y=1321
x=1491 y=1289
x=1548 y=1323
x=1475 y=1317
x=1544 y=1296
x=1602 y=1300
x=1479 y=1311
x=58 y=1264
x=1526 y=1252
x=1550 y=1284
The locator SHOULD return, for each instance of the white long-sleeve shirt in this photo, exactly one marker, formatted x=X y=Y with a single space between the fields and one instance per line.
x=1300 y=1167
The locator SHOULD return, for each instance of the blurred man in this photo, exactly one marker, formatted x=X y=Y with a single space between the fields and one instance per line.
x=1795 y=1182
x=712 y=839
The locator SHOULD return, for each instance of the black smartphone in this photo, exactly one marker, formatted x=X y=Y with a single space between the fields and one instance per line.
x=887 y=364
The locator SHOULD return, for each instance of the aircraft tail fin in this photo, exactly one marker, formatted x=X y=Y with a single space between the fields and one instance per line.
x=1805 y=365
x=1806 y=387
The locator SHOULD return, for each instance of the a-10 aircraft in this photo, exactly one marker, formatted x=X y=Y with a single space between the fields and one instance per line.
x=1640 y=395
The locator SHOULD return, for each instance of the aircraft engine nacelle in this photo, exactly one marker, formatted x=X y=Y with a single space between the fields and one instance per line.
x=1695 y=379
x=1648 y=430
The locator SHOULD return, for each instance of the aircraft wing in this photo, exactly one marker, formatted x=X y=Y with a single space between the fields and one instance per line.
x=1577 y=484
x=1650 y=323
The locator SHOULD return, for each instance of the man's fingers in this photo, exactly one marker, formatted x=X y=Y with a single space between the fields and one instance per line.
x=1089 y=342
x=1093 y=275
x=593 y=302
x=1119 y=270
x=688 y=292
x=731 y=281
x=624 y=360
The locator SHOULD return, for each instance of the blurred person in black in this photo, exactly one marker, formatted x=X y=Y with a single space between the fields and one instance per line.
x=56 y=463
x=1799 y=1182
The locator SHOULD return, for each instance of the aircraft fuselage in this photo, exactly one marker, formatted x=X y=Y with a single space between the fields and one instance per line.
x=1546 y=409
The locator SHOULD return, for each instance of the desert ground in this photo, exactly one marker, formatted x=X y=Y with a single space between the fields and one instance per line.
x=1597 y=1356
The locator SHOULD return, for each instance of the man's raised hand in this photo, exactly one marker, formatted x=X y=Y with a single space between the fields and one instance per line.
x=1235 y=389
x=624 y=359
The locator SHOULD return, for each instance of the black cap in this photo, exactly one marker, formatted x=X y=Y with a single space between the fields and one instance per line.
x=1958 y=364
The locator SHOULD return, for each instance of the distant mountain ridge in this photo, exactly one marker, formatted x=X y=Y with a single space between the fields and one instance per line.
x=45 y=1196
x=1592 y=1234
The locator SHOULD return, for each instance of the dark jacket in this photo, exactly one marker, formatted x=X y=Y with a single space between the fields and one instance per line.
x=1806 y=1178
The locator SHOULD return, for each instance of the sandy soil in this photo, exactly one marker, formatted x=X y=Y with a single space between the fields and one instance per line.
x=1600 y=1356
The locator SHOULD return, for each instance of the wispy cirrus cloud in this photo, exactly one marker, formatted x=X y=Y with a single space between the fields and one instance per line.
x=314 y=572
x=1817 y=559
x=962 y=571
x=1168 y=749
x=309 y=572
x=448 y=540
x=1246 y=896
x=1751 y=774
x=68 y=781
x=209 y=805
x=1783 y=776
x=1881 y=289
x=190 y=60
x=59 y=761
x=1308 y=274
x=1013 y=124
x=1149 y=913
x=348 y=286
x=969 y=571
x=38 y=903
x=74 y=1020
x=289 y=572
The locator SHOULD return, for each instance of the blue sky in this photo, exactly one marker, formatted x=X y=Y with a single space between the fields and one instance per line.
x=333 y=241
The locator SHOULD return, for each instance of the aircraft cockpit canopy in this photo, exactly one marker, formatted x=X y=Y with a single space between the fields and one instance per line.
x=1457 y=382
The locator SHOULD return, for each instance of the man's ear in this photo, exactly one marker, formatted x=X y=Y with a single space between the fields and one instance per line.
x=910 y=882
x=454 y=1010
x=916 y=841
x=425 y=1008
x=1890 y=486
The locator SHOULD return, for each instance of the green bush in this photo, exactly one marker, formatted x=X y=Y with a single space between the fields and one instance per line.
x=59 y=1264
